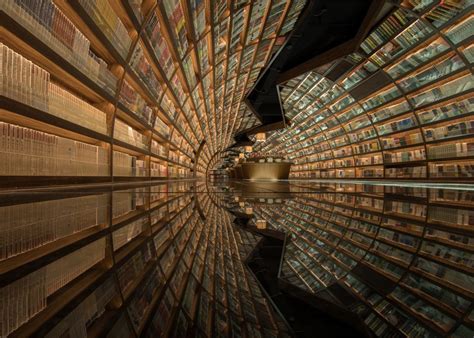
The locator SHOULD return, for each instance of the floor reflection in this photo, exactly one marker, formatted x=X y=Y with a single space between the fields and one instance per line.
x=171 y=258
x=400 y=257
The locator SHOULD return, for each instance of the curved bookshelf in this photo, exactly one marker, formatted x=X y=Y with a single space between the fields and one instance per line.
x=400 y=107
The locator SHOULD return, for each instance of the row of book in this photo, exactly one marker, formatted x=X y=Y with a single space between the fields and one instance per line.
x=142 y=68
x=404 y=156
x=446 y=111
x=133 y=267
x=158 y=170
x=449 y=89
x=125 y=201
x=160 y=45
x=405 y=123
x=462 y=30
x=439 y=70
x=25 y=82
x=462 y=128
x=455 y=129
x=320 y=228
x=131 y=99
x=103 y=15
x=415 y=59
x=127 y=233
x=161 y=127
x=109 y=24
x=48 y=23
x=37 y=287
x=459 y=149
x=82 y=317
x=413 y=34
x=30 y=152
x=402 y=140
x=435 y=170
x=127 y=134
x=463 y=169
x=29 y=84
x=446 y=10
x=406 y=172
x=389 y=27
x=127 y=165
x=454 y=87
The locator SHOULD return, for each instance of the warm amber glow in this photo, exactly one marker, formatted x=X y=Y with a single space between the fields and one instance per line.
x=248 y=149
x=261 y=224
x=261 y=136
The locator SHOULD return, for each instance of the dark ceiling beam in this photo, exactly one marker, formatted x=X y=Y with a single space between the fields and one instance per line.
x=343 y=49
x=264 y=128
x=326 y=57
x=326 y=30
x=241 y=143
x=252 y=109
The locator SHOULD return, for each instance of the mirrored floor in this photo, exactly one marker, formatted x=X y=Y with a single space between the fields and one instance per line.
x=172 y=258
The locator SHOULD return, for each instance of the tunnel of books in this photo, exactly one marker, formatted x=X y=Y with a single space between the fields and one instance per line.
x=399 y=107
x=119 y=125
x=145 y=83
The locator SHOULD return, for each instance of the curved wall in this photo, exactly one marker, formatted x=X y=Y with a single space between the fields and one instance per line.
x=401 y=107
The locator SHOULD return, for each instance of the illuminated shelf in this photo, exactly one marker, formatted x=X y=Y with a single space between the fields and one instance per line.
x=404 y=102
x=159 y=68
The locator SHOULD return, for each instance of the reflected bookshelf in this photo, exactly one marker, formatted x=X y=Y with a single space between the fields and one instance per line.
x=412 y=259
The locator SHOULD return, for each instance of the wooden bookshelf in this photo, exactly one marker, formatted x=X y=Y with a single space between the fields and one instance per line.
x=409 y=84
x=131 y=65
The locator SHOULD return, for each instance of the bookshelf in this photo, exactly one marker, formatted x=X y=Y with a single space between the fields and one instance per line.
x=136 y=76
x=402 y=253
x=400 y=106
